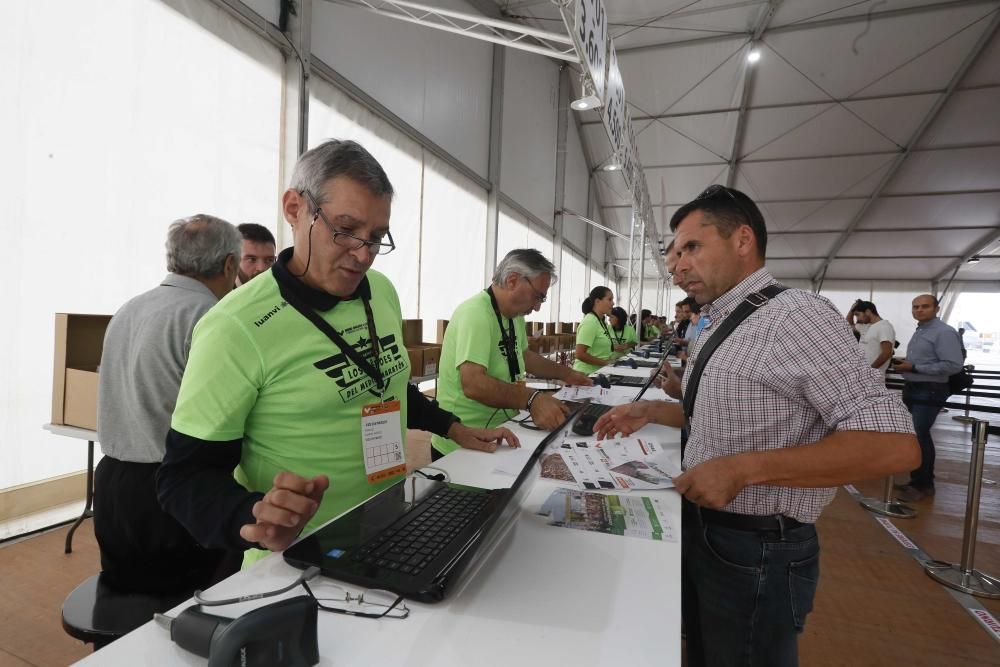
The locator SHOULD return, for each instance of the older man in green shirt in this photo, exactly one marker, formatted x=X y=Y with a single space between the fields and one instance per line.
x=484 y=357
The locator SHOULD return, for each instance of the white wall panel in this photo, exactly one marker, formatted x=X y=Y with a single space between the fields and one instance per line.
x=454 y=217
x=598 y=246
x=333 y=115
x=516 y=232
x=528 y=168
x=437 y=82
x=118 y=117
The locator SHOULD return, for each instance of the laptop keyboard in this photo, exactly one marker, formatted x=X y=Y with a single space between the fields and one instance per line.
x=584 y=424
x=411 y=543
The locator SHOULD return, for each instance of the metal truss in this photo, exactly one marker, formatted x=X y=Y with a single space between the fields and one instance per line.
x=506 y=33
x=636 y=267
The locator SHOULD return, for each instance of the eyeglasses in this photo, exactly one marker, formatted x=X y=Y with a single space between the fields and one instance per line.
x=713 y=191
x=347 y=240
x=541 y=297
x=367 y=604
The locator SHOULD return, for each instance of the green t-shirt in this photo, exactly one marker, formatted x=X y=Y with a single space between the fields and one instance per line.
x=473 y=334
x=260 y=371
x=597 y=341
x=651 y=332
x=624 y=336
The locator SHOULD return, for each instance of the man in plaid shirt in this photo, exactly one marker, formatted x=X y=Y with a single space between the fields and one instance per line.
x=786 y=411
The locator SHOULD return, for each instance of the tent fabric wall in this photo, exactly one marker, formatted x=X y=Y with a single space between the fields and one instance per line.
x=453 y=235
x=528 y=166
x=440 y=82
x=572 y=291
x=332 y=114
x=516 y=232
x=116 y=120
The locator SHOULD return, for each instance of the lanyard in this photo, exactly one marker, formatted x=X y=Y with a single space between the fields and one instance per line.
x=620 y=339
x=372 y=371
x=600 y=320
x=507 y=338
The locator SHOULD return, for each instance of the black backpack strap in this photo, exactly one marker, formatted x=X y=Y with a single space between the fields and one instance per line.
x=751 y=303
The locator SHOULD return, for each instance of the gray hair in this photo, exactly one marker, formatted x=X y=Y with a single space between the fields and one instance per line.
x=526 y=262
x=198 y=245
x=336 y=157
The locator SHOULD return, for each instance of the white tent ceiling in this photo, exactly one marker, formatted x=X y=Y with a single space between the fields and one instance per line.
x=868 y=132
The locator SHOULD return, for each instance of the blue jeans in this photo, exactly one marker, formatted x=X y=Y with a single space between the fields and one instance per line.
x=745 y=595
x=924 y=401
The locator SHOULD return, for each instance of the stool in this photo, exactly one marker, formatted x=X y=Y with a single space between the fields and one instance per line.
x=97 y=614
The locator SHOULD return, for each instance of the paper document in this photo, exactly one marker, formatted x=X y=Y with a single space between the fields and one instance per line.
x=620 y=464
x=596 y=394
x=631 y=516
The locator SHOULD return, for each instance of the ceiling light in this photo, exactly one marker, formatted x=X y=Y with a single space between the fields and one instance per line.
x=611 y=166
x=974 y=259
x=588 y=96
x=753 y=56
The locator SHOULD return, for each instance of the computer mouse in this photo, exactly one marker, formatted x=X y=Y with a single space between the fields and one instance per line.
x=631 y=363
x=601 y=380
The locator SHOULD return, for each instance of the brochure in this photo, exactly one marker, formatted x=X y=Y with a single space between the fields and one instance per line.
x=631 y=516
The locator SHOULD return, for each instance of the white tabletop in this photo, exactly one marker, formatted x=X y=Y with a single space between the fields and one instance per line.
x=71 y=431
x=546 y=595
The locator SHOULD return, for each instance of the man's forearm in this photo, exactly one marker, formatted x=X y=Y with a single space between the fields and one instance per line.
x=881 y=359
x=541 y=367
x=496 y=394
x=667 y=414
x=839 y=458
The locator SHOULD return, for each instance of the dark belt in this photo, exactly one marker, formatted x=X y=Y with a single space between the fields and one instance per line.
x=751 y=523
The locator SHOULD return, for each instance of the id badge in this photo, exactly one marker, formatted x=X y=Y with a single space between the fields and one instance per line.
x=382 y=442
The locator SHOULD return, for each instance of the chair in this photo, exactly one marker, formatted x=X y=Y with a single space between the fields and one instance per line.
x=97 y=614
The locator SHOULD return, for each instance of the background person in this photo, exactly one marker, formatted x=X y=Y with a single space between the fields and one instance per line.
x=144 y=549
x=485 y=353
x=933 y=354
x=258 y=252
x=593 y=337
x=622 y=333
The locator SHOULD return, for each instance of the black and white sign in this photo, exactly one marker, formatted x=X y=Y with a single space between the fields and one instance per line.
x=591 y=36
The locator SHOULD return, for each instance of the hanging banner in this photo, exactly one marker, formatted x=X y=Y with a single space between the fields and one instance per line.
x=590 y=35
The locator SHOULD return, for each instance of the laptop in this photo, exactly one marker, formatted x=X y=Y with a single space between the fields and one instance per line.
x=418 y=538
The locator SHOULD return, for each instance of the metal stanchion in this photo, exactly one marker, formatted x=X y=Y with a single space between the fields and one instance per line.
x=965 y=577
x=886 y=505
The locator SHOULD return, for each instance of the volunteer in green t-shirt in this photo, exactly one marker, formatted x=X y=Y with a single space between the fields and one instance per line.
x=622 y=333
x=484 y=357
x=593 y=338
x=295 y=402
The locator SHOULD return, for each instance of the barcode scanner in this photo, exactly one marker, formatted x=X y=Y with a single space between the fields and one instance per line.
x=601 y=380
x=282 y=634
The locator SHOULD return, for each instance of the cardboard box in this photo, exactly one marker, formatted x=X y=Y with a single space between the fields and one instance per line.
x=79 y=341
x=551 y=328
x=424 y=359
x=413 y=332
x=535 y=344
x=535 y=328
x=567 y=327
x=441 y=327
x=550 y=344
x=567 y=341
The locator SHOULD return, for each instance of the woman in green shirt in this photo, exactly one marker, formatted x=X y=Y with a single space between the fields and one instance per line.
x=623 y=336
x=593 y=338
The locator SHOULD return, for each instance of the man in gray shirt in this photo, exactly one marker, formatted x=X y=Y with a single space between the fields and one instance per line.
x=933 y=354
x=146 y=346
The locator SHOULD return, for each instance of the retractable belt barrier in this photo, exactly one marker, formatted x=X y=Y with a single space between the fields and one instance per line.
x=963 y=576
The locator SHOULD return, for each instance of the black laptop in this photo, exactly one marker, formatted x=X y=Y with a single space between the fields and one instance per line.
x=417 y=538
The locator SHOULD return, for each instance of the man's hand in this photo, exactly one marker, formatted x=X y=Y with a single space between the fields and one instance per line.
x=714 y=483
x=624 y=419
x=622 y=347
x=548 y=412
x=668 y=381
x=285 y=509
x=482 y=439
x=577 y=379
x=902 y=366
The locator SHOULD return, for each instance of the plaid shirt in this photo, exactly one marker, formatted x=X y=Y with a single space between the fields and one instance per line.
x=789 y=375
